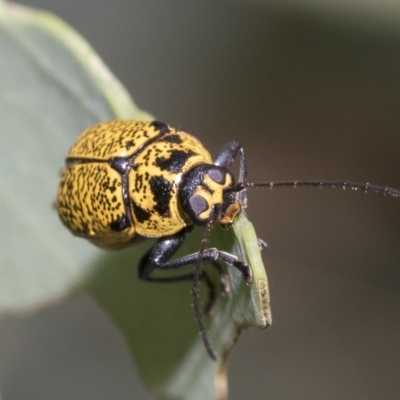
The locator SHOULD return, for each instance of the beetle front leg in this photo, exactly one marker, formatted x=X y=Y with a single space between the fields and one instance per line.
x=164 y=249
x=157 y=258
x=225 y=158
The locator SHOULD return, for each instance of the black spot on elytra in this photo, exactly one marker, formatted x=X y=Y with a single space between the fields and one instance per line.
x=162 y=193
x=172 y=139
x=120 y=224
x=107 y=184
x=175 y=162
x=160 y=126
x=128 y=144
x=138 y=183
x=140 y=213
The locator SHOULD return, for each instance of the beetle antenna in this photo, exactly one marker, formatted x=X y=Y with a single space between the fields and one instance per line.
x=195 y=289
x=367 y=187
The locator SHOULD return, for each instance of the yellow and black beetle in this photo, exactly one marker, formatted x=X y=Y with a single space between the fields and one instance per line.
x=126 y=180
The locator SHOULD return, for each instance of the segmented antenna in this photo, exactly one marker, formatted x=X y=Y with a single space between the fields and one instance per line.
x=343 y=184
x=195 y=289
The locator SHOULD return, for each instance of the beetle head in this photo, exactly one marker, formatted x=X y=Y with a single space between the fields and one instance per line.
x=206 y=191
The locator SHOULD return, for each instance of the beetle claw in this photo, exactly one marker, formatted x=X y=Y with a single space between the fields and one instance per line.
x=247 y=274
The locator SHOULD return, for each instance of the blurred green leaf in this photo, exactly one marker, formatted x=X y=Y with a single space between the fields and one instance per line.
x=383 y=13
x=52 y=87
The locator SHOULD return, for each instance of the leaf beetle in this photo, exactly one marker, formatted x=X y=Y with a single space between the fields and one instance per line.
x=125 y=180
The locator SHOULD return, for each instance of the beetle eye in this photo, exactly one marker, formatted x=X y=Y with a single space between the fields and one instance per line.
x=198 y=204
x=217 y=175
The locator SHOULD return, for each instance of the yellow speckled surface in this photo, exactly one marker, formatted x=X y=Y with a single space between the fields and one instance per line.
x=119 y=138
x=108 y=203
x=89 y=199
x=159 y=169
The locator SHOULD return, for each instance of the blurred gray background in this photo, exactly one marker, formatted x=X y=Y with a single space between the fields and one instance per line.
x=312 y=91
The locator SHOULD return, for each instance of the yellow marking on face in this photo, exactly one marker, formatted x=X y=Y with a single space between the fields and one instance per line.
x=213 y=197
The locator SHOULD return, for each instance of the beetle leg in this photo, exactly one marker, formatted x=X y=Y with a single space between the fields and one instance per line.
x=164 y=249
x=223 y=278
x=224 y=284
x=225 y=157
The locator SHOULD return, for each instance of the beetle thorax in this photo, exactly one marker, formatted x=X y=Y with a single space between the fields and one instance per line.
x=206 y=191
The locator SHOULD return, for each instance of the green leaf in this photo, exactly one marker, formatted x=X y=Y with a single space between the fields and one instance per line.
x=52 y=87
x=158 y=320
